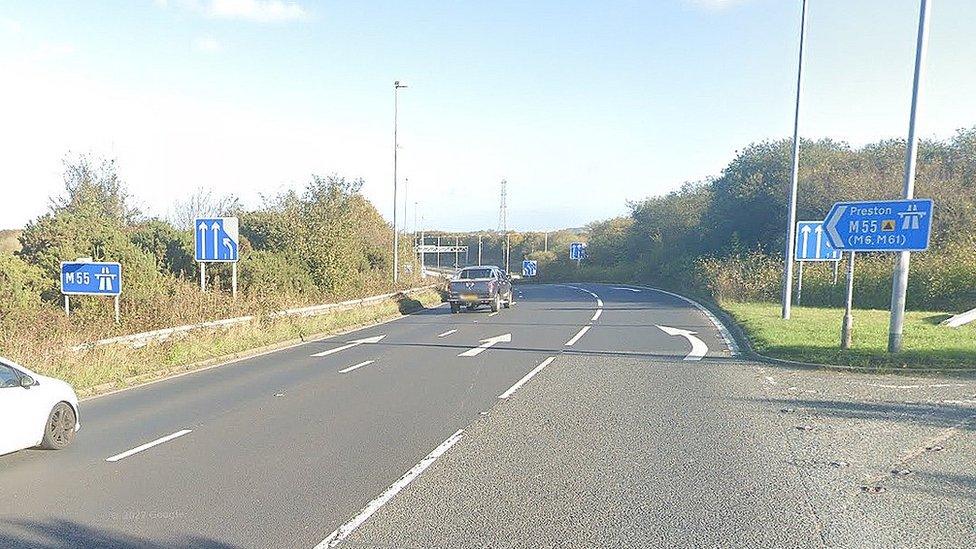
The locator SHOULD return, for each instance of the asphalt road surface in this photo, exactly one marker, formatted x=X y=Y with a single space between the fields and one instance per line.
x=587 y=415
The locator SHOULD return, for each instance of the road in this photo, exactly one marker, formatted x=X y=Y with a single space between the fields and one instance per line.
x=587 y=415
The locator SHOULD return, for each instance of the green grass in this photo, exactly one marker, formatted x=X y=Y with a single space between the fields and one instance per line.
x=108 y=367
x=813 y=335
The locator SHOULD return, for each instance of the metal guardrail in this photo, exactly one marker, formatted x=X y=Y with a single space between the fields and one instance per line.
x=958 y=320
x=144 y=338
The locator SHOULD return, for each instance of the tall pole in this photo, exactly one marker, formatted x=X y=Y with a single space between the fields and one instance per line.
x=406 y=190
x=508 y=251
x=845 y=328
x=791 y=215
x=396 y=235
x=546 y=245
x=479 y=249
x=899 y=286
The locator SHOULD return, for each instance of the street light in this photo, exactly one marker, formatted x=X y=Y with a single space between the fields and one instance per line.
x=396 y=236
x=795 y=174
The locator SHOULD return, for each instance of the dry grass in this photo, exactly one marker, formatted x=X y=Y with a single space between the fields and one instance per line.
x=8 y=240
x=104 y=368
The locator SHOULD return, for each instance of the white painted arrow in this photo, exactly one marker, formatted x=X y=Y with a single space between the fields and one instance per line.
x=819 y=231
x=230 y=249
x=698 y=347
x=353 y=343
x=216 y=241
x=806 y=236
x=831 y=228
x=629 y=290
x=486 y=343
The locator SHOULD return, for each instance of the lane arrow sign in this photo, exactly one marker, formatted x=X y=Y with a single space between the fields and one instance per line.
x=819 y=231
x=806 y=237
x=203 y=238
x=216 y=241
x=487 y=343
x=698 y=347
x=351 y=344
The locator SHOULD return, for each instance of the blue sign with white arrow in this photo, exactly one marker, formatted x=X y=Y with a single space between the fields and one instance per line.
x=216 y=239
x=880 y=225
x=529 y=267
x=577 y=251
x=91 y=278
x=812 y=244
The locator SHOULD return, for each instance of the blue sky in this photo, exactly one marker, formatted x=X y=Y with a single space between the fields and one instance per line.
x=581 y=106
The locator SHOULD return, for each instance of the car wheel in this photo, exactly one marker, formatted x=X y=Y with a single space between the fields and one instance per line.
x=496 y=304
x=455 y=308
x=59 y=431
x=509 y=301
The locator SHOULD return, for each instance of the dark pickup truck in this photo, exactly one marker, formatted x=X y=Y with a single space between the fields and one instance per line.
x=481 y=285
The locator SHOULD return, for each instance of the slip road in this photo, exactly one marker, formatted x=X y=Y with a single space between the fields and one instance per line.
x=299 y=447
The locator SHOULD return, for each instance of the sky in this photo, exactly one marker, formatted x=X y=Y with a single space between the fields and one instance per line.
x=581 y=106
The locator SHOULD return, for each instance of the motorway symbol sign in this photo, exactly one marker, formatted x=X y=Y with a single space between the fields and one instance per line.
x=812 y=244
x=216 y=239
x=91 y=278
x=577 y=251
x=530 y=267
x=880 y=225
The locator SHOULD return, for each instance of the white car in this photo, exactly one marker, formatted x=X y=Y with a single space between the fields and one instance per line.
x=36 y=410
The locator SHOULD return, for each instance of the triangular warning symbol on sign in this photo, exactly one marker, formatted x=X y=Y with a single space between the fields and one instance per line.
x=888 y=225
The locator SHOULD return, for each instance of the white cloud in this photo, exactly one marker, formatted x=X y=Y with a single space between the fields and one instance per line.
x=208 y=44
x=256 y=10
x=10 y=26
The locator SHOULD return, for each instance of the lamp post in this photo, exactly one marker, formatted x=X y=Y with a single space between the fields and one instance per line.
x=396 y=235
x=791 y=207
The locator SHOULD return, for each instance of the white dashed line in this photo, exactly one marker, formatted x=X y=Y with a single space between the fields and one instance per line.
x=527 y=377
x=148 y=445
x=447 y=333
x=343 y=531
x=360 y=365
x=578 y=335
x=493 y=314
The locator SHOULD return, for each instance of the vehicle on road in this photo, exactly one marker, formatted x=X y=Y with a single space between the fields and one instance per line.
x=480 y=285
x=35 y=410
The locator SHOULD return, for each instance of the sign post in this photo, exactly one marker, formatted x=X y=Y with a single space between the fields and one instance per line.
x=848 y=324
x=217 y=241
x=878 y=226
x=811 y=245
x=84 y=277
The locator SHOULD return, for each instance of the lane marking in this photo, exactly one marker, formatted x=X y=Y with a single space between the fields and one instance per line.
x=494 y=313
x=599 y=302
x=486 y=343
x=627 y=289
x=360 y=365
x=343 y=531
x=351 y=344
x=698 y=347
x=447 y=333
x=527 y=377
x=723 y=331
x=596 y=315
x=578 y=335
x=148 y=445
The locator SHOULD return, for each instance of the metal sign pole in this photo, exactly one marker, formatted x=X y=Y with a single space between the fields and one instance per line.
x=117 y=321
x=836 y=268
x=479 y=249
x=203 y=276
x=791 y=211
x=438 y=253
x=67 y=305
x=233 y=280
x=899 y=286
x=457 y=257
x=845 y=329
x=799 y=284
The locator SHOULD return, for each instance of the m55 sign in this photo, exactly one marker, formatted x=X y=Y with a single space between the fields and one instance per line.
x=880 y=226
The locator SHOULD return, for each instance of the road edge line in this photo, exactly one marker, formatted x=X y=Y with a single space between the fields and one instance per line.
x=376 y=503
x=511 y=390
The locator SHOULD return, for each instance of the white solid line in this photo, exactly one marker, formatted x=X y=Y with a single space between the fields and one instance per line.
x=360 y=365
x=149 y=445
x=527 y=377
x=447 y=333
x=493 y=314
x=578 y=335
x=599 y=302
x=596 y=315
x=343 y=531
x=627 y=289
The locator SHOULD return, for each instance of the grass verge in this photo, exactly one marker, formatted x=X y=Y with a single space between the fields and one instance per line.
x=110 y=367
x=813 y=335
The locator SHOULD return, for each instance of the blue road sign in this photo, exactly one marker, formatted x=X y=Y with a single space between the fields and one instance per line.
x=529 y=267
x=577 y=251
x=216 y=239
x=91 y=278
x=812 y=244
x=880 y=226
